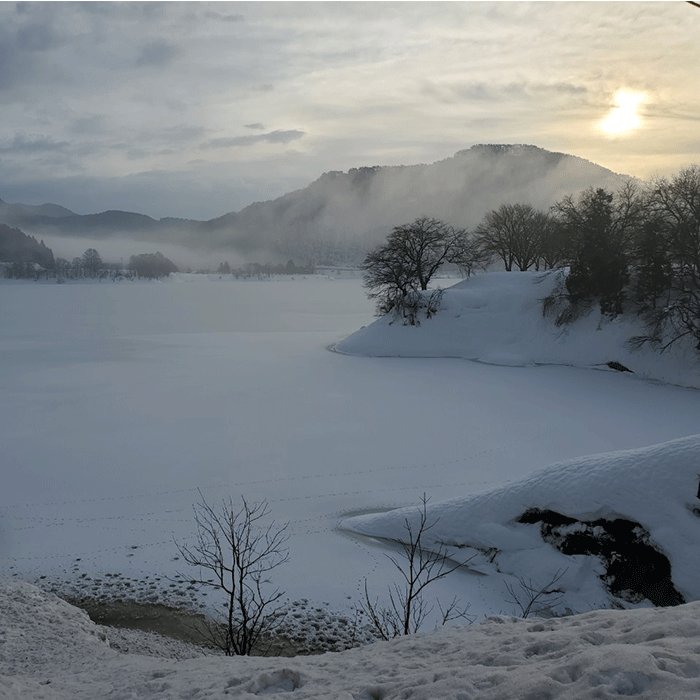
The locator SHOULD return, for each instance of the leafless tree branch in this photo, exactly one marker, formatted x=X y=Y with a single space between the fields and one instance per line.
x=532 y=599
x=418 y=567
x=235 y=552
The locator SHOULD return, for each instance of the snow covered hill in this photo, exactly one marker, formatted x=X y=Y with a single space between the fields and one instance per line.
x=52 y=651
x=497 y=318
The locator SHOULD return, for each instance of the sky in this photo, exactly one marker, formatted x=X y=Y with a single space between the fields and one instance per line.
x=198 y=109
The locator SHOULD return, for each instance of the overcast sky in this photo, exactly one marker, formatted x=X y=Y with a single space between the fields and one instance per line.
x=198 y=109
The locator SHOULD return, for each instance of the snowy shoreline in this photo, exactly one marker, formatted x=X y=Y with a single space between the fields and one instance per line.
x=496 y=318
x=306 y=629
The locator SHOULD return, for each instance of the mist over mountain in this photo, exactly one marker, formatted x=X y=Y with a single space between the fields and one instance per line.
x=19 y=214
x=336 y=218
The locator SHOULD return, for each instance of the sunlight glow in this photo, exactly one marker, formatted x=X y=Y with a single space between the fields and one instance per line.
x=624 y=117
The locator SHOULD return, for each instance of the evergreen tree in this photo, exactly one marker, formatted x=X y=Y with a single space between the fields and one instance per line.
x=599 y=229
x=151 y=265
x=653 y=263
x=91 y=262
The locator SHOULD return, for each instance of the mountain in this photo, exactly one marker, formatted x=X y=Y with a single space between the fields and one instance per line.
x=19 y=214
x=107 y=223
x=347 y=212
x=338 y=216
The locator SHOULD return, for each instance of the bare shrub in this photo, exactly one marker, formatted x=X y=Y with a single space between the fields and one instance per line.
x=419 y=567
x=532 y=599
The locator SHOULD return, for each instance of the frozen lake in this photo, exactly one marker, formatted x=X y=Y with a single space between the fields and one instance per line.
x=119 y=400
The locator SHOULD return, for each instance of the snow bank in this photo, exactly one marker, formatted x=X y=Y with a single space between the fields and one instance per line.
x=496 y=318
x=49 y=650
x=654 y=486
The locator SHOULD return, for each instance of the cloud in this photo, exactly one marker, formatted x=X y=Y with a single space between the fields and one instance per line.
x=532 y=88
x=137 y=153
x=33 y=144
x=223 y=17
x=177 y=134
x=270 y=137
x=16 y=66
x=37 y=36
x=481 y=91
x=386 y=83
x=157 y=53
x=202 y=193
x=87 y=125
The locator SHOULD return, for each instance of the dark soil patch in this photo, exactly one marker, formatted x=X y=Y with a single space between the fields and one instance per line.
x=180 y=624
x=148 y=617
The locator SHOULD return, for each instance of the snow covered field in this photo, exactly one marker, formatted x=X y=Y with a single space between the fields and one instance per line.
x=120 y=400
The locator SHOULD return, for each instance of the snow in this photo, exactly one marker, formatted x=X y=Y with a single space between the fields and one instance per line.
x=120 y=400
x=497 y=318
x=654 y=486
x=51 y=651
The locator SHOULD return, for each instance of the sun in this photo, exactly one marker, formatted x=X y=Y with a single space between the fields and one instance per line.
x=624 y=117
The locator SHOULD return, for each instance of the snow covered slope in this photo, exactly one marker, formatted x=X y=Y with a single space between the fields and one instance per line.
x=52 y=651
x=631 y=504
x=496 y=318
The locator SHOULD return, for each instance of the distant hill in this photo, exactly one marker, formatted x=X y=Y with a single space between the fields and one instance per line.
x=16 y=246
x=338 y=216
x=107 y=223
x=20 y=214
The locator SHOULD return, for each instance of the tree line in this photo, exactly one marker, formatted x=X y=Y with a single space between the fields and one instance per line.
x=636 y=250
x=260 y=270
x=91 y=266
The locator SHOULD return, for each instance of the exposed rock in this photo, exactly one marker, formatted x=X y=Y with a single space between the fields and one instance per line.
x=635 y=569
x=619 y=367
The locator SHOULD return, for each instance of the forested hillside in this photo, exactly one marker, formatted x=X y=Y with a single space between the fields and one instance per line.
x=17 y=247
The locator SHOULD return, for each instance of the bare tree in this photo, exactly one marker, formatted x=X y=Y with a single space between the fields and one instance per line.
x=419 y=567
x=514 y=233
x=533 y=599
x=397 y=271
x=389 y=278
x=426 y=245
x=240 y=550
x=469 y=254
x=554 y=246
x=676 y=205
